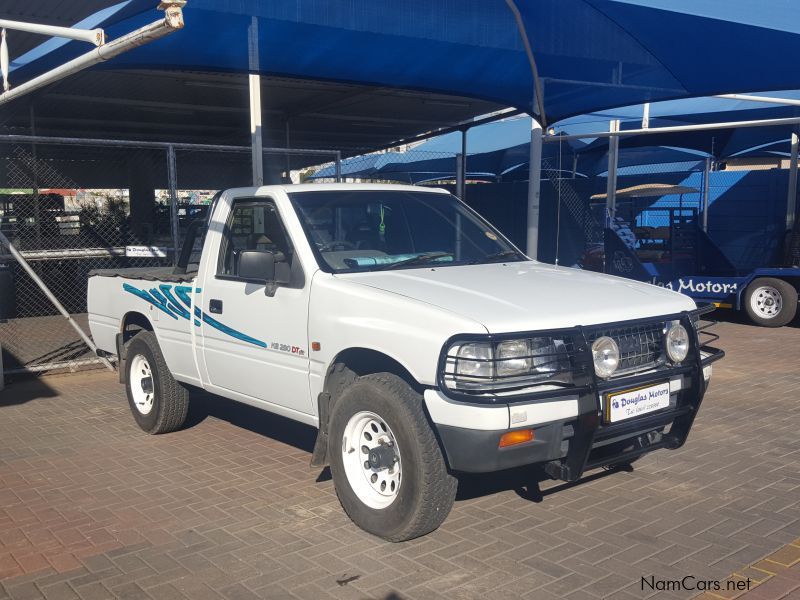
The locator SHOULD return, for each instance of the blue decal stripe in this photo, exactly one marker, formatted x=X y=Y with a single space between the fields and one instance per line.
x=232 y=332
x=147 y=297
x=173 y=304
x=165 y=301
x=182 y=292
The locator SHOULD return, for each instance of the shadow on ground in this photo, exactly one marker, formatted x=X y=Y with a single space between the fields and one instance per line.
x=248 y=417
x=22 y=390
x=524 y=481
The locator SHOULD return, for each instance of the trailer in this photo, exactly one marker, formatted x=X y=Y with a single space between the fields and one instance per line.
x=670 y=247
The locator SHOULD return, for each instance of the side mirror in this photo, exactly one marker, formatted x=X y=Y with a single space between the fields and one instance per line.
x=265 y=266
x=258 y=265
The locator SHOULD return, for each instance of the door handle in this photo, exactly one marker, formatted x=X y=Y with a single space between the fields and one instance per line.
x=215 y=307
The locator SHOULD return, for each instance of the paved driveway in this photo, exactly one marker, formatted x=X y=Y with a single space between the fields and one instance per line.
x=90 y=507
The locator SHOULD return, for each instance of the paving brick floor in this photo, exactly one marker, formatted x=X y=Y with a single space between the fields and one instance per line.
x=92 y=508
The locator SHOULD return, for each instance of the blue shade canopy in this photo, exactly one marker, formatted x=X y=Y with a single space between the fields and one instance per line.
x=493 y=150
x=589 y=54
x=720 y=143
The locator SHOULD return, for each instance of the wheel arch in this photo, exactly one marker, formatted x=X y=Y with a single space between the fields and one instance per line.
x=366 y=361
x=131 y=323
x=344 y=368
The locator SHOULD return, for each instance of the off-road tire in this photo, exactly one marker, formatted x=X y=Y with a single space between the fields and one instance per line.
x=788 y=298
x=427 y=490
x=171 y=399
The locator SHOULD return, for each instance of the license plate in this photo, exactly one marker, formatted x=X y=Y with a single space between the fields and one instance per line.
x=636 y=402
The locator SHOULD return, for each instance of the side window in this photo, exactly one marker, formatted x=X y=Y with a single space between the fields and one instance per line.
x=252 y=225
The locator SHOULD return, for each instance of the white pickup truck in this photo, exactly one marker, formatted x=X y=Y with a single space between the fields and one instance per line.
x=417 y=339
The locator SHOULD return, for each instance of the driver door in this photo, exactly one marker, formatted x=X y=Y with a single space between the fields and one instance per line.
x=255 y=345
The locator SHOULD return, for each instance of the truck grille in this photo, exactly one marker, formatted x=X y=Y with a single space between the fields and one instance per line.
x=641 y=347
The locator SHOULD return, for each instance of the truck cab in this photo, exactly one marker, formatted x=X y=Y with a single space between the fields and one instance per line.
x=413 y=335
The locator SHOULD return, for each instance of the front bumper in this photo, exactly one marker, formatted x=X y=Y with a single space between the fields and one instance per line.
x=570 y=435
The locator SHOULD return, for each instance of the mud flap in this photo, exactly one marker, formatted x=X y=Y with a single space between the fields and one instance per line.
x=319 y=457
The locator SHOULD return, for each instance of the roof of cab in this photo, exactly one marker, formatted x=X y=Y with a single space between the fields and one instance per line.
x=340 y=187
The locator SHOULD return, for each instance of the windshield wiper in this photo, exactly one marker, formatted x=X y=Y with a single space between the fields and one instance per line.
x=496 y=256
x=422 y=258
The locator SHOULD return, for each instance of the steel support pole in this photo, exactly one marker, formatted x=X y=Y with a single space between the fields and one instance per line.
x=256 y=145
x=254 y=81
x=37 y=199
x=338 y=166
x=46 y=291
x=288 y=156
x=172 y=182
x=791 y=198
x=534 y=188
x=706 y=191
x=611 y=182
x=461 y=167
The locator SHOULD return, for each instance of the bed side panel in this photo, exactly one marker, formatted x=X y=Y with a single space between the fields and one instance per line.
x=166 y=305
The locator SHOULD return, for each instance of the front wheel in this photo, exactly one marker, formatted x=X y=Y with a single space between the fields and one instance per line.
x=770 y=302
x=387 y=467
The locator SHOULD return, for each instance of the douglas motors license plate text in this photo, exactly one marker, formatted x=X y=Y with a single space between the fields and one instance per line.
x=632 y=403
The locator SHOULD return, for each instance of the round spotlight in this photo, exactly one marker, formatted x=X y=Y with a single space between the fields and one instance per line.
x=677 y=342
x=605 y=354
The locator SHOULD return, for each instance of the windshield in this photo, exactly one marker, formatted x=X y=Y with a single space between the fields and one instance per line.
x=371 y=230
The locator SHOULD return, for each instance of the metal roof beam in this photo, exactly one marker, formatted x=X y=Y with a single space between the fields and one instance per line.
x=766 y=99
x=461 y=126
x=155 y=104
x=675 y=129
x=172 y=21
x=92 y=36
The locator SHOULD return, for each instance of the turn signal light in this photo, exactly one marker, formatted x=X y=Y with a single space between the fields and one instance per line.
x=512 y=438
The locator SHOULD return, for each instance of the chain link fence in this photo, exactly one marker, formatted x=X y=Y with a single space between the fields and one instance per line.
x=66 y=216
x=672 y=213
x=70 y=206
x=647 y=200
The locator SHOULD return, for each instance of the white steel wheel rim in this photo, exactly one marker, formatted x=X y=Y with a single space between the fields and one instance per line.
x=766 y=302
x=364 y=433
x=141 y=381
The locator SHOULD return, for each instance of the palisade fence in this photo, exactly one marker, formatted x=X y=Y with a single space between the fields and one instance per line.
x=71 y=206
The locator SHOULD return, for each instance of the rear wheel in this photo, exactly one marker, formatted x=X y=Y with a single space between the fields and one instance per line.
x=770 y=302
x=158 y=402
x=387 y=467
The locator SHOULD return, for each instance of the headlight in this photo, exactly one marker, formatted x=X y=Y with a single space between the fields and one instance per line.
x=605 y=354
x=513 y=357
x=677 y=342
x=506 y=365
x=475 y=360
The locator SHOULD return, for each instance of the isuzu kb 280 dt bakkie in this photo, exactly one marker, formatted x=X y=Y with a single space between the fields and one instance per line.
x=417 y=339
